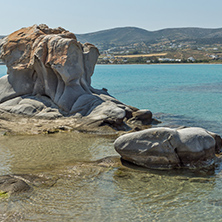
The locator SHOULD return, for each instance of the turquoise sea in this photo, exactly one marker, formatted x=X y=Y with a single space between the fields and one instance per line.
x=177 y=94
x=72 y=186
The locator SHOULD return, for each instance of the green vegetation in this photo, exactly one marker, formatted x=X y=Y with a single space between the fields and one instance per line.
x=3 y=194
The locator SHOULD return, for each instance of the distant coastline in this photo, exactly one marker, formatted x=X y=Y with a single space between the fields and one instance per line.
x=158 y=63
x=202 y=63
x=163 y=63
x=169 y=63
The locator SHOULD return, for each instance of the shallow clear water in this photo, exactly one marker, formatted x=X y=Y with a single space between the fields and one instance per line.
x=87 y=191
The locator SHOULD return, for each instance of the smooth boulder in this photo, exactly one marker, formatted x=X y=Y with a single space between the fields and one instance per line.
x=169 y=148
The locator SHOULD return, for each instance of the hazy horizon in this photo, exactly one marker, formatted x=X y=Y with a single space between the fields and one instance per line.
x=130 y=27
x=92 y=16
x=147 y=30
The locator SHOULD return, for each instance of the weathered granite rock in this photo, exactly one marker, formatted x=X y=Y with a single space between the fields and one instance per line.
x=141 y=117
x=49 y=76
x=169 y=148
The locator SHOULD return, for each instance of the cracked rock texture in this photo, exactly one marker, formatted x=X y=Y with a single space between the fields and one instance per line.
x=49 y=76
x=169 y=148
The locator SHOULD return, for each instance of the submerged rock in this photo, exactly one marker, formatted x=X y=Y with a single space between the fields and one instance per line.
x=169 y=148
x=19 y=183
x=49 y=76
x=11 y=184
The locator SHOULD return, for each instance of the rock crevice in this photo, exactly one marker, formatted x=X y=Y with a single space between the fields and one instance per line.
x=49 y=69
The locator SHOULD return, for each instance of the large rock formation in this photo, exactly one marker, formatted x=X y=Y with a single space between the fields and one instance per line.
x=49 y=75
x=169 y=148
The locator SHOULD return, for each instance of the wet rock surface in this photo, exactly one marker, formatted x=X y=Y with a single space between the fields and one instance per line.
x=20 y=183
x=12 y=184
x=169 y=148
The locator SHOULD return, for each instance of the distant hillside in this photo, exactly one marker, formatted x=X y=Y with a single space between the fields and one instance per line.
x=117 y=36
x=2 y=36
x=129 y=35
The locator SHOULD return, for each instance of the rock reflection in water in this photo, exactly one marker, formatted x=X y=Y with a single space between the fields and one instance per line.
x=89 y=188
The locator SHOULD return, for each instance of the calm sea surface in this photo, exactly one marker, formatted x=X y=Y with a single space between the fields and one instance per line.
x=184 y=94
x=84 y=191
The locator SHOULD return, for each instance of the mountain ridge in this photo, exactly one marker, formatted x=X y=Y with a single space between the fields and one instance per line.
x=130 y=35
x=125 y=36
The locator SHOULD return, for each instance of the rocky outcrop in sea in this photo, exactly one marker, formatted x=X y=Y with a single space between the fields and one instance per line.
x=48 y=89
x=49 y=77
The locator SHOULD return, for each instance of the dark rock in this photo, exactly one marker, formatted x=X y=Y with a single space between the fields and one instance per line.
x=168 y=148
x=142 y=117
x=12 y=184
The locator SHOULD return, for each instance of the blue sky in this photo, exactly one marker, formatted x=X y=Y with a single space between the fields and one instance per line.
x=85 y=16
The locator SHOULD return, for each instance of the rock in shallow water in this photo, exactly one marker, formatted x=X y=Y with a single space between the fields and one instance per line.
x=20 y=183
x=49 y=76
x=12 y=184
x=168 y=148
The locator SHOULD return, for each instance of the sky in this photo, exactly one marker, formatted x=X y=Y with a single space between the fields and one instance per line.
x=84 y=16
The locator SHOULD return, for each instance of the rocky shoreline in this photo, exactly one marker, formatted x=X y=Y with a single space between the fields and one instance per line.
x=49 y=78
x=48 y=90
x=15 y=124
